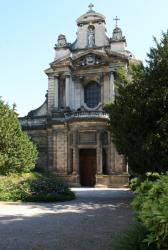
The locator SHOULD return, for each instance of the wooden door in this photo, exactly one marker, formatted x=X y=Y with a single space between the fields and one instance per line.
x=88 y=167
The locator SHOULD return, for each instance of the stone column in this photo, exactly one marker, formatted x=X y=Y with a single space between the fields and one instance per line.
x=56 y=91
x=112 y=90
x=99 y=154
x=72 y=94
x=67 y=90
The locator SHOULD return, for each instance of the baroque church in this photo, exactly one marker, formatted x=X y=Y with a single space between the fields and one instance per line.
x=70 y=127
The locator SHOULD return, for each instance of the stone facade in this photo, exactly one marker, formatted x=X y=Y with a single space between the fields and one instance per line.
x=69 y=129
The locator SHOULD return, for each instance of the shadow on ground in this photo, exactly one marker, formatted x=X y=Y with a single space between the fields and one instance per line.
x=89 y=222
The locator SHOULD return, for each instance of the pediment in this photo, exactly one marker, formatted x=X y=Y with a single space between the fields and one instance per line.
x=90 y=59
x=65 y=61
x=94 y=58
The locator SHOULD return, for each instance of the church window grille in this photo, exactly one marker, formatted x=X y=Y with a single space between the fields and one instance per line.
x=92 y=94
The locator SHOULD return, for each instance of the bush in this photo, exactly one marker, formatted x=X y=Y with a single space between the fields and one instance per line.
x=151 y=204
x=135 y=182
x=133 y=240
x=33 y=187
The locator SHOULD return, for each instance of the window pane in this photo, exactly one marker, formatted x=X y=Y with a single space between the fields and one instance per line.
x=92 y=94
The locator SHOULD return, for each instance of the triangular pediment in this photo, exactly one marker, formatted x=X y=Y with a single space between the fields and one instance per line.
x=60 y=63
x=90 y=58
x=64 y=61
x=97 y=58
x=87 y=52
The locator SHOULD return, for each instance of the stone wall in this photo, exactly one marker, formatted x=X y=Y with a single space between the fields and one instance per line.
x=59 y=149
x=39 y=137
x=50 y=93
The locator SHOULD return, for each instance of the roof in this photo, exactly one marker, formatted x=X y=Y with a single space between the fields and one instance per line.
x=91 y=16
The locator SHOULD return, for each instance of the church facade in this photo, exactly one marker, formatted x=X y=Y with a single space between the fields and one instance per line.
x=70 y=128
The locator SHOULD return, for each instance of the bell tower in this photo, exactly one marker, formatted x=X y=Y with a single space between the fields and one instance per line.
x=91 y=30
x=118 y=41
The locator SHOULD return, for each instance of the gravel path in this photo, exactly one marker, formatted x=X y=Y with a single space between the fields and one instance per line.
x=87 y=223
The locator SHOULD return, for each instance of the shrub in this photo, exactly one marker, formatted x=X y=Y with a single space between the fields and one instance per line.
x=133 y=240
x=151 y=204
x=135 y=182
x=33 y=187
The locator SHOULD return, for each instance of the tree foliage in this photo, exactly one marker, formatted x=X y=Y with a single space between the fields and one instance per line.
x=17 y=152
x=139 y=116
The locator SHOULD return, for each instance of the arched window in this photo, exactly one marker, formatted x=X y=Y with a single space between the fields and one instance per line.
x=92 y=94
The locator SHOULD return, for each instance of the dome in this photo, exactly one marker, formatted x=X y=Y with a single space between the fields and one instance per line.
x=90 y=17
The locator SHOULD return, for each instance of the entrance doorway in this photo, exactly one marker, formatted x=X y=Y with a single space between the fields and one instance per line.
x=87 y=167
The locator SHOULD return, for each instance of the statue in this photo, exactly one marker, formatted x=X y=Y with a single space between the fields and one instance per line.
x=91 y=36
x=61 y=42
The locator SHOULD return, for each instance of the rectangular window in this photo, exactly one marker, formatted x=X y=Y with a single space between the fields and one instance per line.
x=61 y=94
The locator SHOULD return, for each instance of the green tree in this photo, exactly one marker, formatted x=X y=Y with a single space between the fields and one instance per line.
x=139 y=116
x=17 y=152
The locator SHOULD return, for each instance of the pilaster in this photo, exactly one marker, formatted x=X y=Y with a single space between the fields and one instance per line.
x=50 y=150
x=67 y=90
x=99 y=154
x=56 y=80
x=112 y=90
x=75 y=153
x=50 y=93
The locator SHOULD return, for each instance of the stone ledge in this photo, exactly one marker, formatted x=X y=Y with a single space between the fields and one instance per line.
x=70 y=180
x=120 y=180
x=116 y=181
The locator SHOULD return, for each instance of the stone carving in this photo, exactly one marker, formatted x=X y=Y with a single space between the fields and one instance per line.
x=91 y=36
x=89 y=59
x=90 y=7
x=61 y=42
x=117 y=34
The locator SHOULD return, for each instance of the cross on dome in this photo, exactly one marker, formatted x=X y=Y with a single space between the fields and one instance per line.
x=116 y=19
x=90 y=7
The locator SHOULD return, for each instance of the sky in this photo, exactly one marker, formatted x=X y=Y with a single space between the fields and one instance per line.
x=29 y=31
